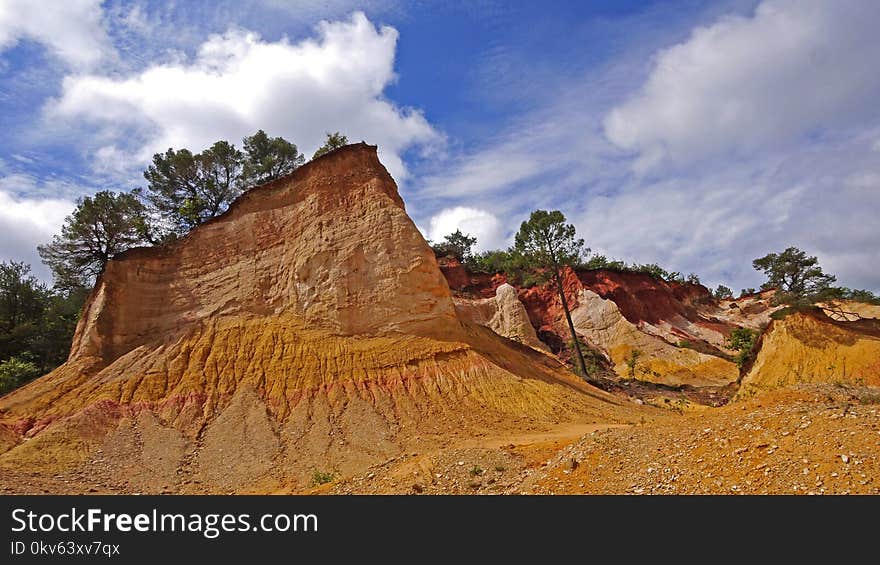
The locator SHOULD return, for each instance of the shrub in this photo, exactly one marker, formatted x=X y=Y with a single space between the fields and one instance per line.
x=321 y=478
x=743 y=341
x=457 y=244
x=632 y=362
x=14 y=372
x=722 y=292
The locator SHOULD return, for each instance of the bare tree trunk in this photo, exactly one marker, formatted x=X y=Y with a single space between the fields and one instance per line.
x=574 y=337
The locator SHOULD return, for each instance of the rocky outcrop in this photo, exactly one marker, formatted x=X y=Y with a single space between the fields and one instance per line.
x=637 y=354
x=307 y=328
x=467 y=284
x=671 y=327
x=332 y=244
x=504 y=314
x=814 y=348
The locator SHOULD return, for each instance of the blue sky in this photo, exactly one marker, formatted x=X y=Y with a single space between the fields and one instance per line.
x=698 y=135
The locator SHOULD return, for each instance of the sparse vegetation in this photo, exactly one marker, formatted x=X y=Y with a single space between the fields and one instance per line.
x=593 y=360
x=476 y=471
x=333 y=142
x=458 y=245
x=722 y=292
x=321 y=478
x=783 y=313
x=632 y=362
x=742 y=340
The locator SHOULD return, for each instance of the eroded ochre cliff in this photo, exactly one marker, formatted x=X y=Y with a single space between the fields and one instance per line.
x=811 y=347
x=647 y=329
x=307 y=329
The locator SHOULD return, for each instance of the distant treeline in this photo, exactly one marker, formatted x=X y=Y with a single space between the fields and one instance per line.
x=797 y=276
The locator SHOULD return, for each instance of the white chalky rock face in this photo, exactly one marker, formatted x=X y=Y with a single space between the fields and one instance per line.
x=504 y=314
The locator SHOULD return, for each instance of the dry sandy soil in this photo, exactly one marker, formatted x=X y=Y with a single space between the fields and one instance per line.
x=816 y=439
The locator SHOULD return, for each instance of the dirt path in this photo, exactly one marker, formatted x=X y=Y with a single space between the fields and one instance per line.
x=562 y=433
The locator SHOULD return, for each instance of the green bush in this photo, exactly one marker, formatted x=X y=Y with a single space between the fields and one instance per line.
x=490 y=262
x=722 y=292
x=14 y=372
x=321 y=478
x=742 y=340
x=632 y=362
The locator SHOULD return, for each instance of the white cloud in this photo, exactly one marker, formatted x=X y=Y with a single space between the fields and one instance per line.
x=818 y=192
x=483 y=225
x=744 y=84
x=238 y=83
x=70 y=29
x=27 y=222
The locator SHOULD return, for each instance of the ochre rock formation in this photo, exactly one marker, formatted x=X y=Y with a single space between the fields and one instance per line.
x=600 y=321
x=504 y=314
x=307 y=328
x=813 y=348
x=618 y=313
x=468 y=284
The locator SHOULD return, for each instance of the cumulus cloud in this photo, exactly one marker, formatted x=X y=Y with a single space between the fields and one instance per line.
x=483 y=225
x=824 y=199
x=781 y=183
x=71 y=30
x=26 y=222
x=793 y=69
x=238 y=83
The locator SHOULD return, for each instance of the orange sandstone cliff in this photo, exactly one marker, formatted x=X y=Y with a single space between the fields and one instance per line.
x=308 y=328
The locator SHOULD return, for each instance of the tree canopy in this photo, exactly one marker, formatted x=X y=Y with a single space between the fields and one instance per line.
x=723 y=292
x=796 y=276
x=548 y=244
x=36 y=325
x=100 y=227
x=187 y=190
x=456 y=244
x=334 y=141
x=268 y=158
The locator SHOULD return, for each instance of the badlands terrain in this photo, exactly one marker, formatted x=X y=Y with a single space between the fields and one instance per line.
x=309 y=341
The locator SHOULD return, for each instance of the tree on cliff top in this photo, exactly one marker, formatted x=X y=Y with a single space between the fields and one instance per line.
x=268 y=158
x=187 y=190
x=797 y=277
x=722 y=292
x=457 y=244
x=548 y=245
x=100 y=227
x=333 y=142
